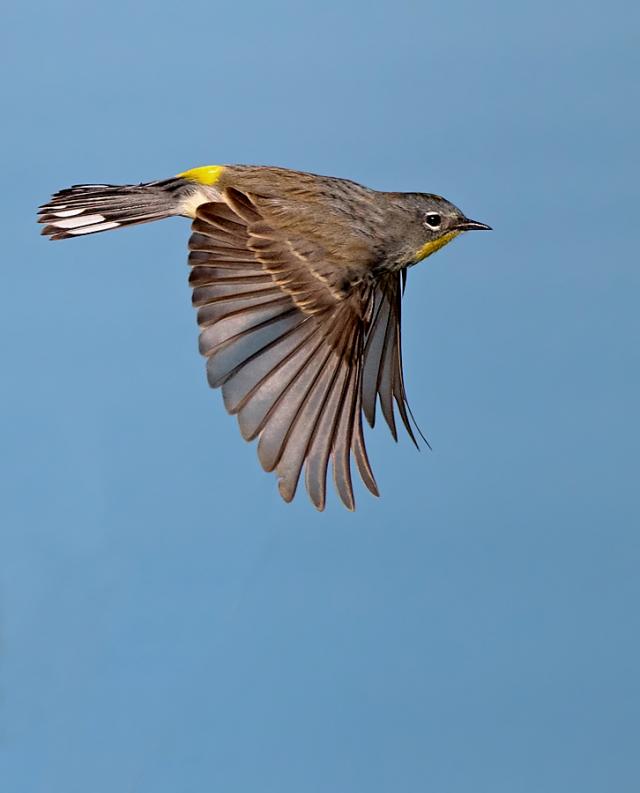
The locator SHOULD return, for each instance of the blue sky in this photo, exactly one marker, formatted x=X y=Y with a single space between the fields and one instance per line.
x=166 y=622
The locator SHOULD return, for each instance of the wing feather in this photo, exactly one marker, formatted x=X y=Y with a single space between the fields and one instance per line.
x=260 y=405
x=299 y=357
x=323 y=438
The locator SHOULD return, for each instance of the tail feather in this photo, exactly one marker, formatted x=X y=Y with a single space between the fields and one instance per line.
x=88 y=208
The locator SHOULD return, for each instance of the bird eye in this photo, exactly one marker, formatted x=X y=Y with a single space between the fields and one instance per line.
x=433 y=220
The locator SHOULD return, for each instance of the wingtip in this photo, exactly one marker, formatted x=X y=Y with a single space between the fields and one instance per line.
x=346 y=496
x=286 y=489
x=349 y=503
x=319 y=505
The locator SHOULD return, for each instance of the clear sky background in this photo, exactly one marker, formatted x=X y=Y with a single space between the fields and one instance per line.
x=167 y=623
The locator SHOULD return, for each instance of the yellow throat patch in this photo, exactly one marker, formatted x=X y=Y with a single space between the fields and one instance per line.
x=435 y=245
x=205 y=174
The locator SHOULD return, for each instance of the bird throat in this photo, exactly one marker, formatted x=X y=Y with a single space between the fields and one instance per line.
x=435 y=245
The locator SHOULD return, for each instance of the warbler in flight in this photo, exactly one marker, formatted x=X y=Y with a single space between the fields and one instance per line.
x=297 y=279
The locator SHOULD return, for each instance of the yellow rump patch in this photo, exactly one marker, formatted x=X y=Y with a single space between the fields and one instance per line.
x=435 y=245
x=205 y=174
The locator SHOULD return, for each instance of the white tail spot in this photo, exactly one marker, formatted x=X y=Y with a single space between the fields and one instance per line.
x=68 y=213
x=73 y=223
x=97 y=227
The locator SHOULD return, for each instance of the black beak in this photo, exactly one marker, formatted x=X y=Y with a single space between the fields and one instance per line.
x=472 y=225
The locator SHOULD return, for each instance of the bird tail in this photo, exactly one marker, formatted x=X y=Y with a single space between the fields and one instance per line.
x=88 y=208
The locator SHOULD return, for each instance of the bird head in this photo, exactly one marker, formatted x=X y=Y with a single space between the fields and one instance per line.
x=433 y=222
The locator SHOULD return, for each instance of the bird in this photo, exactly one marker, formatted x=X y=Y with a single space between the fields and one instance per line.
x=297 y=279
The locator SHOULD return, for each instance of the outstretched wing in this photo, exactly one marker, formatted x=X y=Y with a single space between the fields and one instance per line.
x=299 y=350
